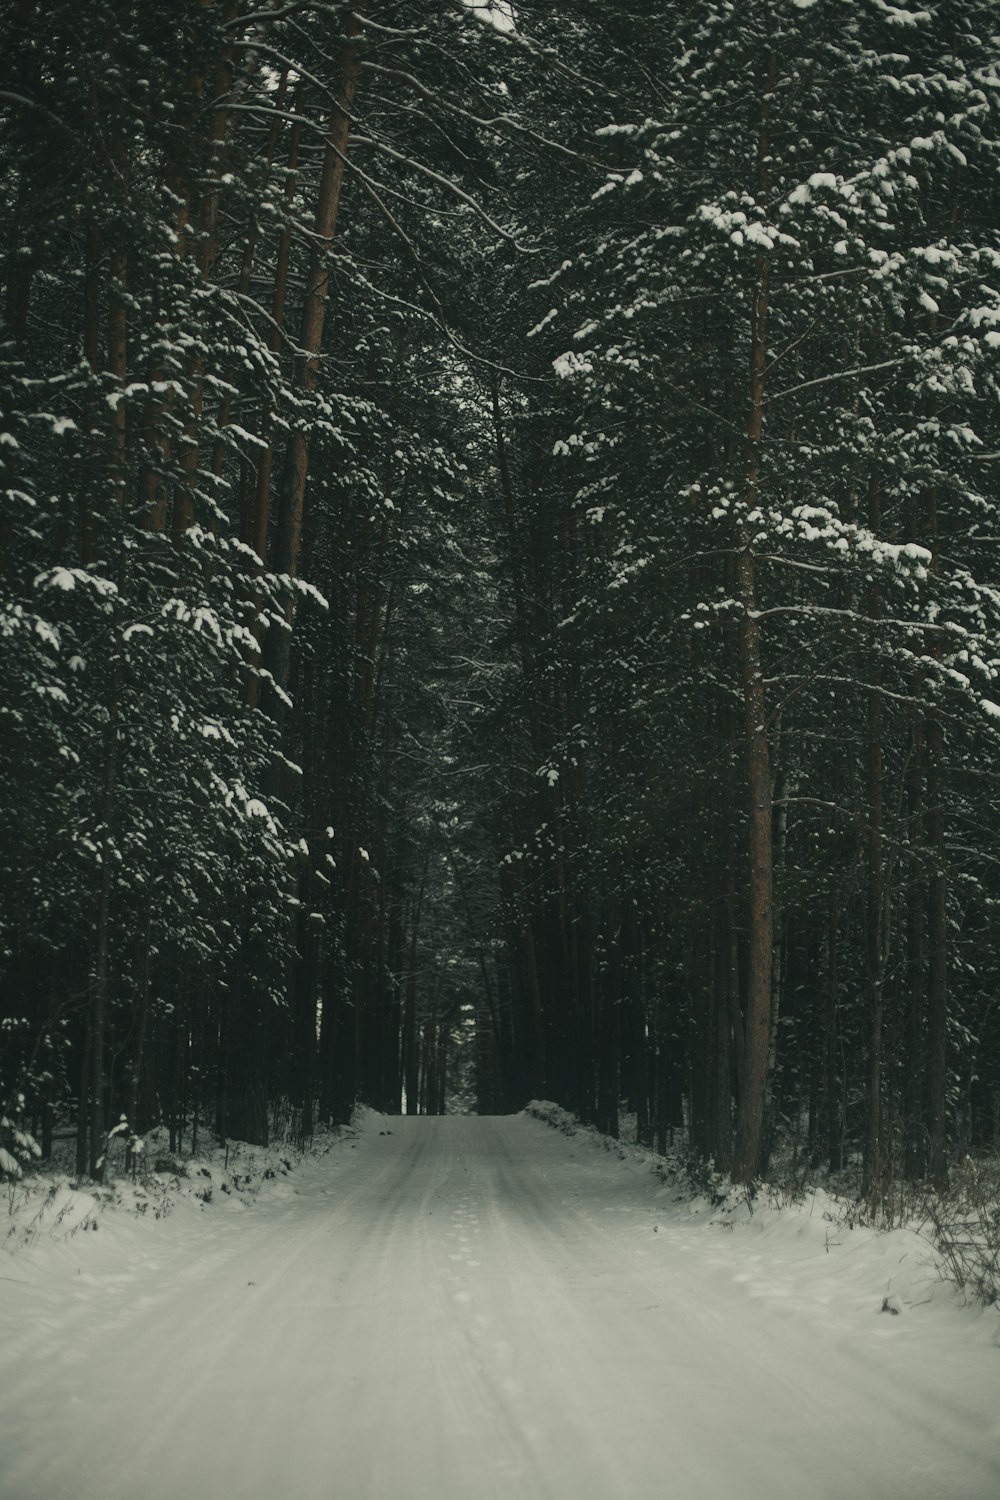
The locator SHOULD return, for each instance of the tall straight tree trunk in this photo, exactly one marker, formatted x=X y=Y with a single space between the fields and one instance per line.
x=441 y=1098
x=83 y=1105
x=410 y=1058
x=92 y=354
x=522 y=625
x=246 y=1054
x=834 y=1120
x=874 y=996
x=22 y=262
x=914 y=1072
x=98 y=1017
x=701 y=1049
x=153 y=498
x=291 y=495
x=723 y=1083
x=937 y=968
x=757 y=1019
x=141 y=1026
x=731 y=938
x=874 y=1164
x=100 y=989
x=609 y=990
x=254 y=523
x=205 y=254
x=760 y=937
x=536 y=1057
x=302 y=1000
x=243 y=284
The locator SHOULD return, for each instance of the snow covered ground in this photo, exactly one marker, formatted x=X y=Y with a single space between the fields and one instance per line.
x=484 y=1309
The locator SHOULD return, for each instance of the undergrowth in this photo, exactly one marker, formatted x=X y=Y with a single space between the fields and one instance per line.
x=962 y=1225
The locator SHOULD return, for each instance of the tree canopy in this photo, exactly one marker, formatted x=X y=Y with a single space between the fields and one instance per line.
x=499 y=590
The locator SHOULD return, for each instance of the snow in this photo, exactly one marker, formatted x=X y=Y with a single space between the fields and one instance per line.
x=496 y=13
x=570 y=364
x=756 y=234
x=486 y=1307
x=897 y=16
x=566 y=265
x=67 y=579
x=819 y=181
x=552 y=313
x=48 y=633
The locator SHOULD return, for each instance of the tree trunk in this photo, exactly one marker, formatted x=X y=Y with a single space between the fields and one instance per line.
x=722 y=1147
x=937 y=972
x=757 y=1020
x=254 y=524
x=291 y=496
x=116 y=342
x=141 y=1024
x=834 y=1114
x=874 y=996
x=915 y=1069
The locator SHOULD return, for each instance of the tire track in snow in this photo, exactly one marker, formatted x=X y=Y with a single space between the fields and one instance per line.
x=469 y=1307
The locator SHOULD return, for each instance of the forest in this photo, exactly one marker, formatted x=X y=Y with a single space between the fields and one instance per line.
x=499 y=589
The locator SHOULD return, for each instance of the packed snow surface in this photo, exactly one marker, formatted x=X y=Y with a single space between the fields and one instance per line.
x=484 y=1308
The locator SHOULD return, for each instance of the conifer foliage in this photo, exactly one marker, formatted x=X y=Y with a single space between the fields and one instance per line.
x=498 y=591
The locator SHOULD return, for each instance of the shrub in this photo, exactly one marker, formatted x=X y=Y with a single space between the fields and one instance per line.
x=964 y=1227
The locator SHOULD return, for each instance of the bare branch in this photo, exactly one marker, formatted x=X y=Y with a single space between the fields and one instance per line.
x=808 y=385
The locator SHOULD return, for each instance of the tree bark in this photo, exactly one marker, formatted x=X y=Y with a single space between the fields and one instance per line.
x=834 y=1117
x=937 y=971
x=757 y=1020
x=291 y=496
x=874 y=995
x=915 y=1070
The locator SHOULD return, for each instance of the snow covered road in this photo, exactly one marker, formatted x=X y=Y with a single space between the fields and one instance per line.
x=485 y=1309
